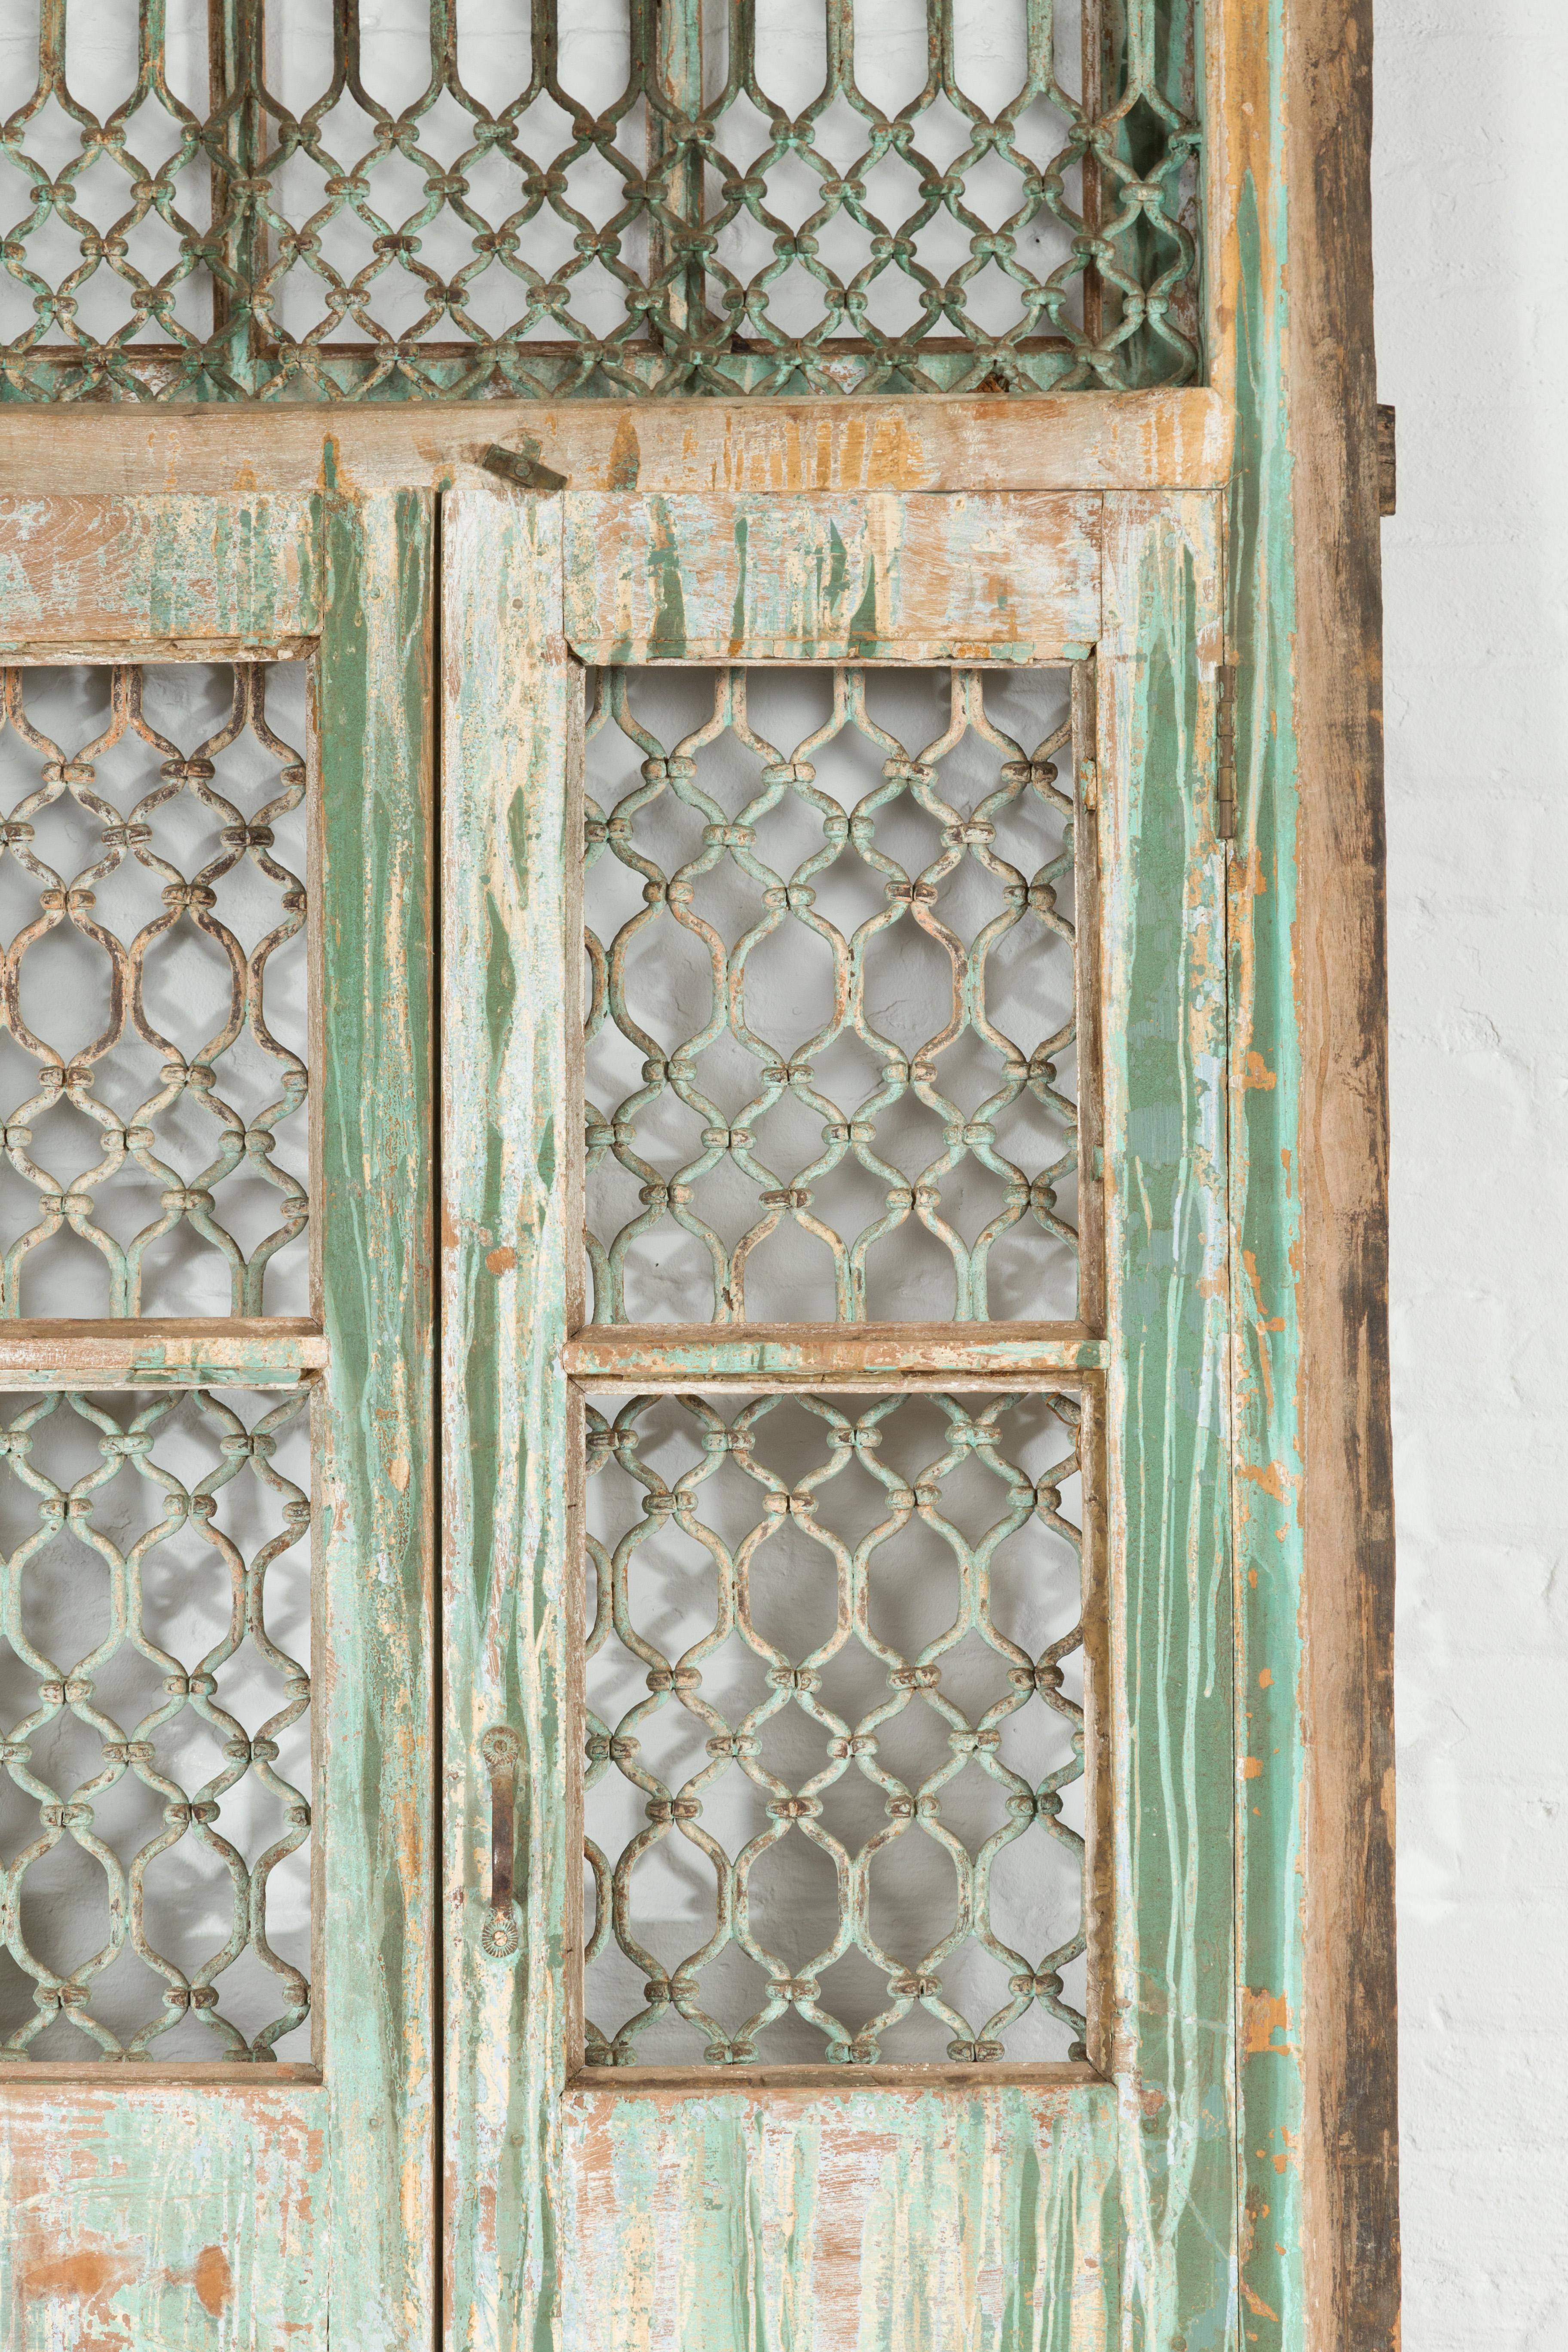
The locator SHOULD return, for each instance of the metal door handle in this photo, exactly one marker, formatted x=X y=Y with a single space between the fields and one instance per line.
x=500 y=1750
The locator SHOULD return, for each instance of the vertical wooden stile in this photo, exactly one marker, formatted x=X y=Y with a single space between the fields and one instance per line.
x=510 y=1251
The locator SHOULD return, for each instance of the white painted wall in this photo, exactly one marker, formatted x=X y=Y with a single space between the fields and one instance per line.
x=1472 y=325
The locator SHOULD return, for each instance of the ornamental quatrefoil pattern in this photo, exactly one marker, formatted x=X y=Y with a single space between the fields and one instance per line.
x=153 y=1899
x=151 y=995
x=832 y=1039
x=836 y=1731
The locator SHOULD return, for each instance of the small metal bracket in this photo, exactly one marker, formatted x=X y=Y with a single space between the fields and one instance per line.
x=1387 y=461
x=501 y=1748
x=1224 y=730
x=524 y=467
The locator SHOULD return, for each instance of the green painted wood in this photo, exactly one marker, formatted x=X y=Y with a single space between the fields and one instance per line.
x=1000 y=2216
x=374 y=695
x=90 y=570
x=128 y=1355
x=851 y=2221
x=744 y=576
x=620 y=1357
x=136 y=2212
x=189 y=2219
x=510 y=1242
x=1162 y=885
x=1266 y=1078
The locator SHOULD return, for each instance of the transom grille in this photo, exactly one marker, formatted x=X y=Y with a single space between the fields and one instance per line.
x=833 y=1067
x=741 y=196
x=154 y=1685
x=836 y=1731
x=152 y=980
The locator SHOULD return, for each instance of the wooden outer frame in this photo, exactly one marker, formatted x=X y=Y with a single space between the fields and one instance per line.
x=1289 y=203
x=240 y=2205
x=563 y=2198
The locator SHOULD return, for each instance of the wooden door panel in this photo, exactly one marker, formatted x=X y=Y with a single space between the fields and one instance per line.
x=101 y=571
x=1084 y=2202
x=822 y=576
x=240 y=2203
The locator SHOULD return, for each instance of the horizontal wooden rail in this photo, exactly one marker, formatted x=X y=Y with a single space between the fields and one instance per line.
x=193 y=1352
x=1063 y=441
x=830 y=1355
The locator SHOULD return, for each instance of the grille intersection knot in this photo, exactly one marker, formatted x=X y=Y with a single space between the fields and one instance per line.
x=102 y=913
x=687 y=199
x=927 y=1776
x=181 y=1816
x=885 y=1080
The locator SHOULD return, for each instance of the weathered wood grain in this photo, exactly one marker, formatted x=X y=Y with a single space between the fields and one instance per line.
x=849 y=2222
x=1350 y=1976
x=374 y=1887
x=880 y=576
x=241 y=566
x=1168 y=1537
x=509 y=1247
x=1291 y=330
x=1079 y=440
x=191 y=2219
x=275 y=1351
x=808 y=1355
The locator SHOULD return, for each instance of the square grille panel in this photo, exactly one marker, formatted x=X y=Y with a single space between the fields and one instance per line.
x=836 y=1731
x=154 y=1689
x=832 y=1051
x=153 y=990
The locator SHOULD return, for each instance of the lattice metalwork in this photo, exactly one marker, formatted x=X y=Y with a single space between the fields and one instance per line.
x=834 y=1729
x=684 y=198
x=154 y=1738
x=153 y=1102
x=833 y=999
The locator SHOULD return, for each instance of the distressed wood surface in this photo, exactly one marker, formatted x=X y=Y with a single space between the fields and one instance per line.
x=103 y=569
x=189 y=2219
x=159 y=1352
x=558 y=2195
x=806 y=1355
x=235 y=2208
x=1291 y=330
x=1351 y=1974
x=879 y=576
x=1079 y=440
x=510 y=1238
x=1167 y=1439
x=376 y=1865
x=850 y=2222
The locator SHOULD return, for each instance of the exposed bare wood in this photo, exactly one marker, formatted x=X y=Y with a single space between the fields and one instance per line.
x=1351 y=1984
x=616 y=2083
x=1079 y=440
x=801 y=1355
x=86 y=568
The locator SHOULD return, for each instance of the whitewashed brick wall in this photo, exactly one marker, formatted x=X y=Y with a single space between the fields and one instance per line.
x=1472 y=310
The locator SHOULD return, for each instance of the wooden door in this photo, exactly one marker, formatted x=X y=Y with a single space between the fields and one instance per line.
x=700 y=2093
x=216 y=2054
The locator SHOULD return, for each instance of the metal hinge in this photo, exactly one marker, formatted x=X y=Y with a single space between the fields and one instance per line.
x=1224 y=730
x=525 y=466
x=1085 y=735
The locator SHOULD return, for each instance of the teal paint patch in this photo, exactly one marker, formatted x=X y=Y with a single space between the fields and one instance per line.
x=668 y=630
x=738 y=614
